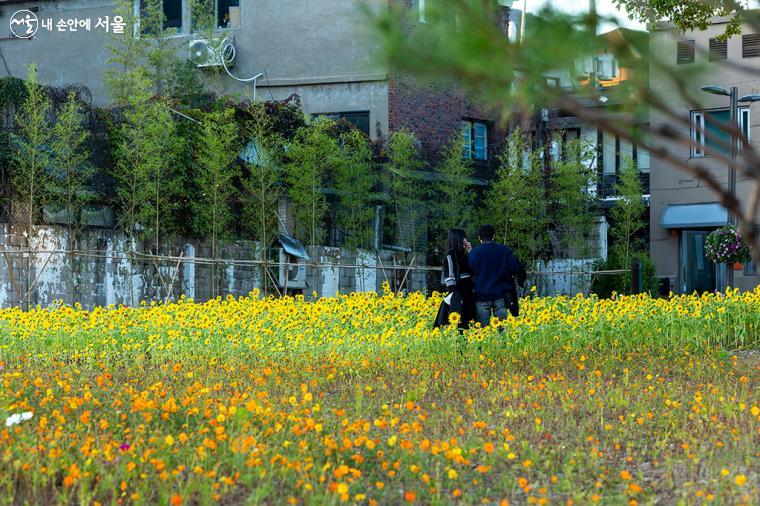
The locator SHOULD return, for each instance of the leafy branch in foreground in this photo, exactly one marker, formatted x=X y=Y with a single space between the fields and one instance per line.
x=686 y=15
x=512 y=77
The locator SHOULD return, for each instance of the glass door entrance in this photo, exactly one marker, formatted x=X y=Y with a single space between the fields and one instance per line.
x=698 y=272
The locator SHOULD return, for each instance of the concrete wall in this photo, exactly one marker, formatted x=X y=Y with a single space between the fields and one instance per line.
x=104 y=272
x=319 y=50
x=670 y=185
x=563 y=277
x=62 y=58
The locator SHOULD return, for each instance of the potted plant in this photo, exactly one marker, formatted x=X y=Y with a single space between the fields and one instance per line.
x=726 y=245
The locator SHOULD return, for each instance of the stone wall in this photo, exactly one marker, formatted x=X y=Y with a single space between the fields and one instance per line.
x=107 y=268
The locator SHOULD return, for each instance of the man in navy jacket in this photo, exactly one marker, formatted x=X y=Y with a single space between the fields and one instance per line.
x=495 y=268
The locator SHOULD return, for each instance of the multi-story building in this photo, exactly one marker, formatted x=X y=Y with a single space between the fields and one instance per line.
x=321 y=51
x=603 y=74
x=683 y=209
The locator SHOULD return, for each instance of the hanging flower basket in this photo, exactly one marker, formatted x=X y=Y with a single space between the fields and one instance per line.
x=726 y=246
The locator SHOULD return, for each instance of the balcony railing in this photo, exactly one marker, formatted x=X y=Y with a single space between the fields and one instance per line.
x=608 y=181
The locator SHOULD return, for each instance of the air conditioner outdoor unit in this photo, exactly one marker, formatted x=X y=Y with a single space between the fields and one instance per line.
x=292 y=276
x=212 y=52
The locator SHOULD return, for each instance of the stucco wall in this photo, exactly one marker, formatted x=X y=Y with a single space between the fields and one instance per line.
x=104 y=271
x=673 y=186
x=319 y=50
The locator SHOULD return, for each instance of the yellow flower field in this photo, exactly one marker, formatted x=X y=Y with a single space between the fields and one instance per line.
x=357 y=399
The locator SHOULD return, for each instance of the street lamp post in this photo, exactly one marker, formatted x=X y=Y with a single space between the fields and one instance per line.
x=734 y=126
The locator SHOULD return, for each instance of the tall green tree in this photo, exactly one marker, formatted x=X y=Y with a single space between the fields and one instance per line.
x=405 y=187
x=160 y=175
x=263 y=187
x=454 y=205
x=30 y=178
x=313 y=156
x=218 y=170
x=572 y=200
x=146 y=147
x=145 y=166
x=354 y=181
x=32 y=161
x=515 y=202
x=627 y=215
x=71 y=157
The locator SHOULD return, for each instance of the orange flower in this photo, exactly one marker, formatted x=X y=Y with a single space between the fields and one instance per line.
x=176 y=500
x=410 y=496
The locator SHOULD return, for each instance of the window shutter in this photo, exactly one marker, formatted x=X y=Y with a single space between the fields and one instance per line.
x=685 y=52
x=751 y=45
x=718 y=49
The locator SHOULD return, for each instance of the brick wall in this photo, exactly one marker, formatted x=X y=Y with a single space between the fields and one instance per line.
x=433 y=109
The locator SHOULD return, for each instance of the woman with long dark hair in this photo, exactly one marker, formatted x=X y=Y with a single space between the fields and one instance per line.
x=458 y=279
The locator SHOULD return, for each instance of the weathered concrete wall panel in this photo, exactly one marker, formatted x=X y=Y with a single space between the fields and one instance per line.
x=107 y=268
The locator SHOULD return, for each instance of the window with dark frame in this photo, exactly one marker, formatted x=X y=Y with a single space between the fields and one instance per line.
x=360 y=119
x=172 y=13
x=475 y=140
x=223 y=11
x=611 y=153
x=708 y=132
x=685 y=51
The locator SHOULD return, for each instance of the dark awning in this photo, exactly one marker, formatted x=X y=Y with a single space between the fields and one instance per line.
x=293 y=247
x=694 y=216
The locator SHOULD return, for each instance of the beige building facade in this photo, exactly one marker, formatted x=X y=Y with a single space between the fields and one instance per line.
x=683 y=209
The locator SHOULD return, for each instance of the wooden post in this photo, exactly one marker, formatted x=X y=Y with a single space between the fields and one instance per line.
x=635 y=280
